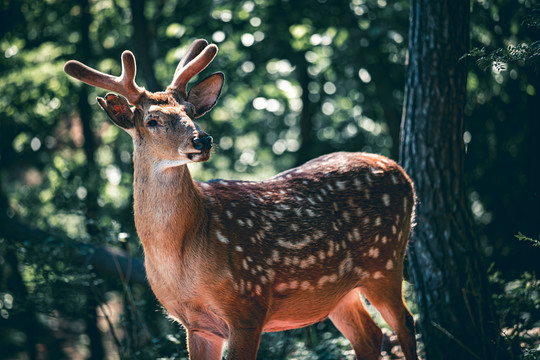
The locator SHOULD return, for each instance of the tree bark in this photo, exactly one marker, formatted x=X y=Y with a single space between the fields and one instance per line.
x=141 y=42
x=456 y=316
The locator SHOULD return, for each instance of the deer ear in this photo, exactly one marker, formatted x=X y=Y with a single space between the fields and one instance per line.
x=118 y=110
x=205 y=94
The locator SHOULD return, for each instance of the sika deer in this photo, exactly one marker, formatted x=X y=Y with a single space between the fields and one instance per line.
x=231 y=259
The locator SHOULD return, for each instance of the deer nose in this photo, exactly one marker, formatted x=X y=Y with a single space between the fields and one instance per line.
x=204 y=142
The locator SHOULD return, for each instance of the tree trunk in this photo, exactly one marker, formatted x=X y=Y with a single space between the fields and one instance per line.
x=141 y=42
x=456 y=317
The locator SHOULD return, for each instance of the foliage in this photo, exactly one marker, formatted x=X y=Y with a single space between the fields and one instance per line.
x=518 y=302
x=533 y=242
x=498 y=59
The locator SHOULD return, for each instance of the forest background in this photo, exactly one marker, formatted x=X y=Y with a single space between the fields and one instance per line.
x=303 y=78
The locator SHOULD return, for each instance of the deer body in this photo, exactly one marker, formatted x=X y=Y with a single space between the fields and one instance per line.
x=232 y=259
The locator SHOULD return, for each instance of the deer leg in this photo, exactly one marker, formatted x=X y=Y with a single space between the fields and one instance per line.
x=202 y=348
x=385 y=294
x=354 y=322
x=243 y=343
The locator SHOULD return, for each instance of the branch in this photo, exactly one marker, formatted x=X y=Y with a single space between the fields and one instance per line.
x=105 y=260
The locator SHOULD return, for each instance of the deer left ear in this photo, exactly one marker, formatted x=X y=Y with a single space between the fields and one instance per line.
x=118 y=110
x=205 y=94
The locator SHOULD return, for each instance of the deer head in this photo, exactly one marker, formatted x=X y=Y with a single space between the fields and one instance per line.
x=161 y=123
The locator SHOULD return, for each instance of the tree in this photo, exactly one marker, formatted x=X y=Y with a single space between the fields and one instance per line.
x=456 y=316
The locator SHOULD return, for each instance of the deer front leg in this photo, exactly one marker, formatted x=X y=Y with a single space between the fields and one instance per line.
x=243 y=343
x=203 y=348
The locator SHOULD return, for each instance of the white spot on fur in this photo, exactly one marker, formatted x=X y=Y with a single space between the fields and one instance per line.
x=281 y=287
x=275 y=255
x=340 y=185
x=293 y=284
x=258 y=290
x=270 y=274
x=377 y=275
x=376 y=171
x=386 y=199
x=405 y=204
x=221 y=238
x=345 y=265
x=330 y=252
x=356 y=234
x=374 y=252
x=284 y=207
x=245 y=264
x=323 y=280
x=239 y=248
x=304 y=285
x=378 y=221
x=310 y=213
x=389 y=265
x=368 y=178
x=294 y=246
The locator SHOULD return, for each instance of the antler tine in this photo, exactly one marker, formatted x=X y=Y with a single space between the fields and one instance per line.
x=124 y=84
x=192 y=67
x=195 y=49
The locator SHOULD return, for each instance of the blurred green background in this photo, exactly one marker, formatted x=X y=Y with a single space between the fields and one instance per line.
x=303 y=78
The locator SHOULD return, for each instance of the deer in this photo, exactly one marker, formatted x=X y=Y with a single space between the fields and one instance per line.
x=232 y=259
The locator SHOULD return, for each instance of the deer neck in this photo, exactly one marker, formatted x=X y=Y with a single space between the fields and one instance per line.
x=169 y=209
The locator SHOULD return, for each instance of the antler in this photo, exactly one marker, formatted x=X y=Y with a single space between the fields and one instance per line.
x=199 y=55
x=124 y=84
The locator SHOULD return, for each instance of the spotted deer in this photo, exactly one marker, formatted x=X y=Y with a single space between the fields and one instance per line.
x=232 y=259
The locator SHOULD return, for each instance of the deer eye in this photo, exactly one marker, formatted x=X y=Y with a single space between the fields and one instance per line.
x=152 y=123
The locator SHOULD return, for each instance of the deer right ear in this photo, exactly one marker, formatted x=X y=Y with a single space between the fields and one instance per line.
x=205 y=94
x=118 y=110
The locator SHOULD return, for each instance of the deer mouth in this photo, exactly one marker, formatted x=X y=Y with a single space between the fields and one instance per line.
x=199 y=156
